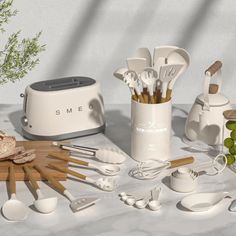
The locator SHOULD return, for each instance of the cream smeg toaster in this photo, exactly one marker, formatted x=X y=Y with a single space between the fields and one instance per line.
x=62 y=108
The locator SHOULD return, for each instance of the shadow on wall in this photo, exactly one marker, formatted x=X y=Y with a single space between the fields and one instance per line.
x=135 y=30
x=118 y=129
x=196 y=21
x=178 y=122
x=77 y=38
x=15 y=119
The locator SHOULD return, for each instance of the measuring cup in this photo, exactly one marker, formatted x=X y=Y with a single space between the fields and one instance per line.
x=13 y=209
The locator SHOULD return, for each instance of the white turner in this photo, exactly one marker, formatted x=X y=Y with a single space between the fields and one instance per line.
x=167 y=73
x=144 y=53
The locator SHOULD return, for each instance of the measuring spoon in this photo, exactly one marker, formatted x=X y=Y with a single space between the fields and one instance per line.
x=154 y=204
x=13 y=209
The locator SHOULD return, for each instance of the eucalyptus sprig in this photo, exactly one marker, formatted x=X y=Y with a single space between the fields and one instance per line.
x=18 y=56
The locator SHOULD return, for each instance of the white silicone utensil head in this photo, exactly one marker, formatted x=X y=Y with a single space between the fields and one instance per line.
x=110 y=155
x=46 y=205
x=14 y=210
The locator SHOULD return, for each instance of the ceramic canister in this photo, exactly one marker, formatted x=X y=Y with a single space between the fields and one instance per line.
x=150 y=131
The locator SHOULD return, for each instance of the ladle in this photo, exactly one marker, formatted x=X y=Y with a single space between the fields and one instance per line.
x=42 y=204
x=13 y=209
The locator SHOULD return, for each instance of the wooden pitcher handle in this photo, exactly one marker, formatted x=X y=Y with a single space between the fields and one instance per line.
x=48 y=177
x=12 y=179
x=31 y=178
x=66 y=170
x=168 y=94
x=213 y=88
x=213 y=68
x=64 y=157
x=181 y=162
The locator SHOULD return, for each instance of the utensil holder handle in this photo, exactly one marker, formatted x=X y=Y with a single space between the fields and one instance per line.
x=213 y=68
x=31 y=178
x=48 y=177
x=64 y=157
x=66 y=170
x=12 y=179
x=181 y=162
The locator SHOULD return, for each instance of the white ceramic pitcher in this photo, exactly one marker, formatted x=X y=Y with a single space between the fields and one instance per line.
x=205 y=119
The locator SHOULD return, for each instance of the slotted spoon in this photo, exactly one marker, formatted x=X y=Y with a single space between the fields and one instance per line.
x=104 y=169
x=167 y=73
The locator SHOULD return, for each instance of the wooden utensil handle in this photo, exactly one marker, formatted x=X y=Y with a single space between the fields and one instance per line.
x=158 y=95
x=213 y=88
x=141 y=99
x=163 y=100
x=31 y=178
x=48 y=177
x=66 y=170
x=168 y=94
x=181 y=162
x=12 y=179
x=145 y=95
x=213 y=68
x=134 y=97
x=64 y=157
x=152 y=100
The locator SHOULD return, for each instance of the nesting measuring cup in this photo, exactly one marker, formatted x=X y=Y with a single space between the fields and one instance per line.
x=150 y=131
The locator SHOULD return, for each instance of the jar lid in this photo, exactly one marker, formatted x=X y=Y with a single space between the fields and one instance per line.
x=214 y=99
x=230 y=114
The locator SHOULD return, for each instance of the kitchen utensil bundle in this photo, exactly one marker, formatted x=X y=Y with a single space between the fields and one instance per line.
x=169 y=62
x=103 y=169
x=108 y=155
x=199 y=202
x=76 y=204
x=149 y=200
x=105 y=183
x=152 y=168
x=62 y=108
x=14 y=209
x=205 y=120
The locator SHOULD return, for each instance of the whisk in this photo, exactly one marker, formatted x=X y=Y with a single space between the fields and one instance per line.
x=152 y=168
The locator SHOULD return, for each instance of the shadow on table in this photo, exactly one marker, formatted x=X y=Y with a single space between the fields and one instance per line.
x=178 y=122
x=118 y=129
x=181 y=207
x=15 y=119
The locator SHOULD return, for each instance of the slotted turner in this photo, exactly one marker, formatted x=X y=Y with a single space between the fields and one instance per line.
x=168 y=73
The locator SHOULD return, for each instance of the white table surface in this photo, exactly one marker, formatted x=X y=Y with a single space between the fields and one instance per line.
x=110 y=216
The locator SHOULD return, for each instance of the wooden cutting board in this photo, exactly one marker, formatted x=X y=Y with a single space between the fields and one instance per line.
x=42 y=148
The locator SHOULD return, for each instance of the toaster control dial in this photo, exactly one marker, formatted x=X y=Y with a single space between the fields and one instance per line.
x=24 y=120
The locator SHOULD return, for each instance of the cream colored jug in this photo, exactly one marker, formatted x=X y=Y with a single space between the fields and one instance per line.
x=205 y=119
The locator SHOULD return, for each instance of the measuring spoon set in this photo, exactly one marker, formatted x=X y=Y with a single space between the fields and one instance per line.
x=149 y=200
x=152 y=80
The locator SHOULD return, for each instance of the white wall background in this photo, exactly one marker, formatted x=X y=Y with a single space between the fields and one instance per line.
x=93 y=38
